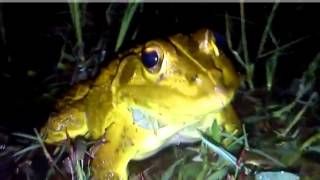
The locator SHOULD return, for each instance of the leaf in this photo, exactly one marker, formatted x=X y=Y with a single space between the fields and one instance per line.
x=170 y=171
x=29 y=148
x=126 y=20
x=191 y=170
x=220 y=174
x=278 y=175
x=76 y=18
x=216 y=132
x=26 y=136
x=218 y=149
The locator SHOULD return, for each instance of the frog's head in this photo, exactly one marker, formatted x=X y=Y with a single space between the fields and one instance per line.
x=186 y=75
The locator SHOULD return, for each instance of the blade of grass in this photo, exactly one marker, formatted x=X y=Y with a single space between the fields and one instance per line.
x=220 y=174
x=309 y=141
x=27 y=149
x=55 y=160
x=249 y=67
x=310 y=74
x=218 y=149
x=79 y=170
x=245 y=135
x=307 y=82
x=167 y=175
x=271 y=63
x=267 y=28
x=273 y=39
x=203 y=172
x=260 y=152
x=299 y=114
x=126 y=20
x=26 y=136
x=314 y=149
x=283 y=47
x=47 y=154
x=76 y=19
x=216 y=132
x=270 y=70
x=45 y=151
x=228 y=32
x=238 y=58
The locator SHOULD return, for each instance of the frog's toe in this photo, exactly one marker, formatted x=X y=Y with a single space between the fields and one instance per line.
x=109 y=175
x=109 y=169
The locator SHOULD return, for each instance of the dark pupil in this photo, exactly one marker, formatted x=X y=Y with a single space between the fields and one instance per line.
x=220 y=40
x=149 y=58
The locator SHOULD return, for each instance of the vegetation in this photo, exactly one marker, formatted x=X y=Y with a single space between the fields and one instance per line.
x=280 y=134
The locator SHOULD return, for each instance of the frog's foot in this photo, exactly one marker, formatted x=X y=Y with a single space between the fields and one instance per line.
x=229 y=119
x=69 y=123
x=122 y=143
x=105 y=169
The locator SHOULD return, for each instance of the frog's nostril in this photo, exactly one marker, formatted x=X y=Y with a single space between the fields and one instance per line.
x=196 y=79
x=53 y=113
x=218 y=89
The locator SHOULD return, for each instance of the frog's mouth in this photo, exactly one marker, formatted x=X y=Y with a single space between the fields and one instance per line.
x=145 y=102
x=152 y=118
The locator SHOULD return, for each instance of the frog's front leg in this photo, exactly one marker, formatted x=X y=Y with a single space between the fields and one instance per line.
x=228 y=118
x=70 y=119
x=71 y=122
x=123 y=140
x=230 y=122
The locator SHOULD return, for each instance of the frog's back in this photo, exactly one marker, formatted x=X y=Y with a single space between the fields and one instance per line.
x=89 y=100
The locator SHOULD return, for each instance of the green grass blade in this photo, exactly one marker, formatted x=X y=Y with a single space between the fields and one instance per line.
x=27 y=149
x=248 y=66
x=126 y=20
x=167 y=175
x=26 y=136
x=76 y=19
x=275 y=161
x=55 y=161
x=39 y=139
x=218 y=149
x=79 y=171
x=267 y=28
x=270 y=70
x=220 y=174
x=228 y=31
x=243 y=34
x=299 y=114
x=283 y=47
x=310 y=74
x=310 y=141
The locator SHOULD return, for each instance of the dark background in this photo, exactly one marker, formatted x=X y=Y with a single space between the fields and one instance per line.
x=31 y=40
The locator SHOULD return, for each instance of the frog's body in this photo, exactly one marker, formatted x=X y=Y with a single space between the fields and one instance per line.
x=146 y=98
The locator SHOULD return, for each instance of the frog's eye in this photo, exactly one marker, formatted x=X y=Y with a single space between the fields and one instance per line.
x=220 y=40
x=222 y=44
x=151 y=58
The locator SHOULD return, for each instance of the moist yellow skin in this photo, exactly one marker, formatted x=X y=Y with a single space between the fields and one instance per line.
x=193 y=84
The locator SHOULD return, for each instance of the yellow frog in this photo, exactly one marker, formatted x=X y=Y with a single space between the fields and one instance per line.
x=154 y=95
